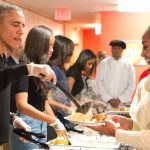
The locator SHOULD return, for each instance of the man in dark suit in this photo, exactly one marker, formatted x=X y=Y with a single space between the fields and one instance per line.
x=12 y=22
x=13 y=59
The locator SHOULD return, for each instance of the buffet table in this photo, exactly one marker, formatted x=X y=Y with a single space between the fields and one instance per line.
x=87 y=148
x=76 y=148
x=87 y=142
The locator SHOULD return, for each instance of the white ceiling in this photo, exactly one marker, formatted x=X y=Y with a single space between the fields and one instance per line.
x=83 y=11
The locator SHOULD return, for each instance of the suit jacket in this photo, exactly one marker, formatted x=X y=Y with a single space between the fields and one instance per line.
x=13 y=108
x=8 y=74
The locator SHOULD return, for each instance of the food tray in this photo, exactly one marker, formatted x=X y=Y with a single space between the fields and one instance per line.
x=90 y=142
x=62 y=147
x=93 y=141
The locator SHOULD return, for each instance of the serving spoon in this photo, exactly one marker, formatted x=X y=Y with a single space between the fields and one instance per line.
x=80 y=108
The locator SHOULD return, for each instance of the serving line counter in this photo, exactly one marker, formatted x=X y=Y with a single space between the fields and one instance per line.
x=90 y=142
x=75 y=141
x=77 y=148
x=55 y=147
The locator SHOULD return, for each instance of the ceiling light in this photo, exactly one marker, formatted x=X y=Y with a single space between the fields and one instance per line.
x=134 y=6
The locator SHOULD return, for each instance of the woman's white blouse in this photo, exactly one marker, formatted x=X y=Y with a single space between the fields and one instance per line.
x=140 y=113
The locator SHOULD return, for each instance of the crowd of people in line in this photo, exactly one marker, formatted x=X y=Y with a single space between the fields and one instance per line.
x=28 y=76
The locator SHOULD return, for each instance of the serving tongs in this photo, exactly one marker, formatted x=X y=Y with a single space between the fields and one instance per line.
x=80 y=108
x=29 y=136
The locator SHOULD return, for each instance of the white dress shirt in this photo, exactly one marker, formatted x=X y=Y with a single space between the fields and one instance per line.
x=15 y=59
x=115 y=79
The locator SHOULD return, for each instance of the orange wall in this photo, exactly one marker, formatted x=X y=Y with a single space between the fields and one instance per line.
x=117 y=25
x=125 y=26
x=91 y=40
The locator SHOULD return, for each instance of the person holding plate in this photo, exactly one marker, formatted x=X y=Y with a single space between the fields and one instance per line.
x=134 y=131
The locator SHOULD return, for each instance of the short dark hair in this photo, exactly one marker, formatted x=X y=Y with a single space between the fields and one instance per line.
x=6 y=7
x=118 y=43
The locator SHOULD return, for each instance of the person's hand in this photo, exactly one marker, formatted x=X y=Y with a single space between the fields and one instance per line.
x=114 y=102
x=60 y=129
x=19 y=123
x=70 y=110
x=57 y=125
x=42 y=71
x=108 y=129
x=125 y=123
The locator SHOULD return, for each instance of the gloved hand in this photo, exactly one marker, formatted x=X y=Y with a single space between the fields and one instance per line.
x=70 y=110
x=19 y=123
x=60 y=129
x=57 y=125
x=42 y=71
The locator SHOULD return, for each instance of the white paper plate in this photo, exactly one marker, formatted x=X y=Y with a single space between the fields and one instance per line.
x=118 y=112
x=85 y=123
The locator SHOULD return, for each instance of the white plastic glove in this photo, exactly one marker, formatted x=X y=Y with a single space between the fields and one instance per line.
x=42 y=71
x=60 y=129
x=70 y=110
x=19 y=123
x=57 y=125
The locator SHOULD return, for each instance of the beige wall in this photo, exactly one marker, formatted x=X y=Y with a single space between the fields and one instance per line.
x=77 y=36
x=33 y=18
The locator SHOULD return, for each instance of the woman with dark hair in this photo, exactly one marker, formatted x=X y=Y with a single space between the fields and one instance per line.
x=32 y=92
x=85 y=64
x=63 y=50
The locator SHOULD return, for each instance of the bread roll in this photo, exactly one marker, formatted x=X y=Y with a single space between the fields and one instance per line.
x=99 y=117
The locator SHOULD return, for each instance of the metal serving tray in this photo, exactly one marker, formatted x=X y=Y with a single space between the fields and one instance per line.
x=62 y=147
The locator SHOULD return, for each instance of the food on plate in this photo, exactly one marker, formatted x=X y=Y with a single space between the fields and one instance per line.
x=59 y=141
x=86 y=118
x=121 y=109
x=124 y=109
x=62 y=138
x=79 y=117
x=115 y=109
x=99 y=117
